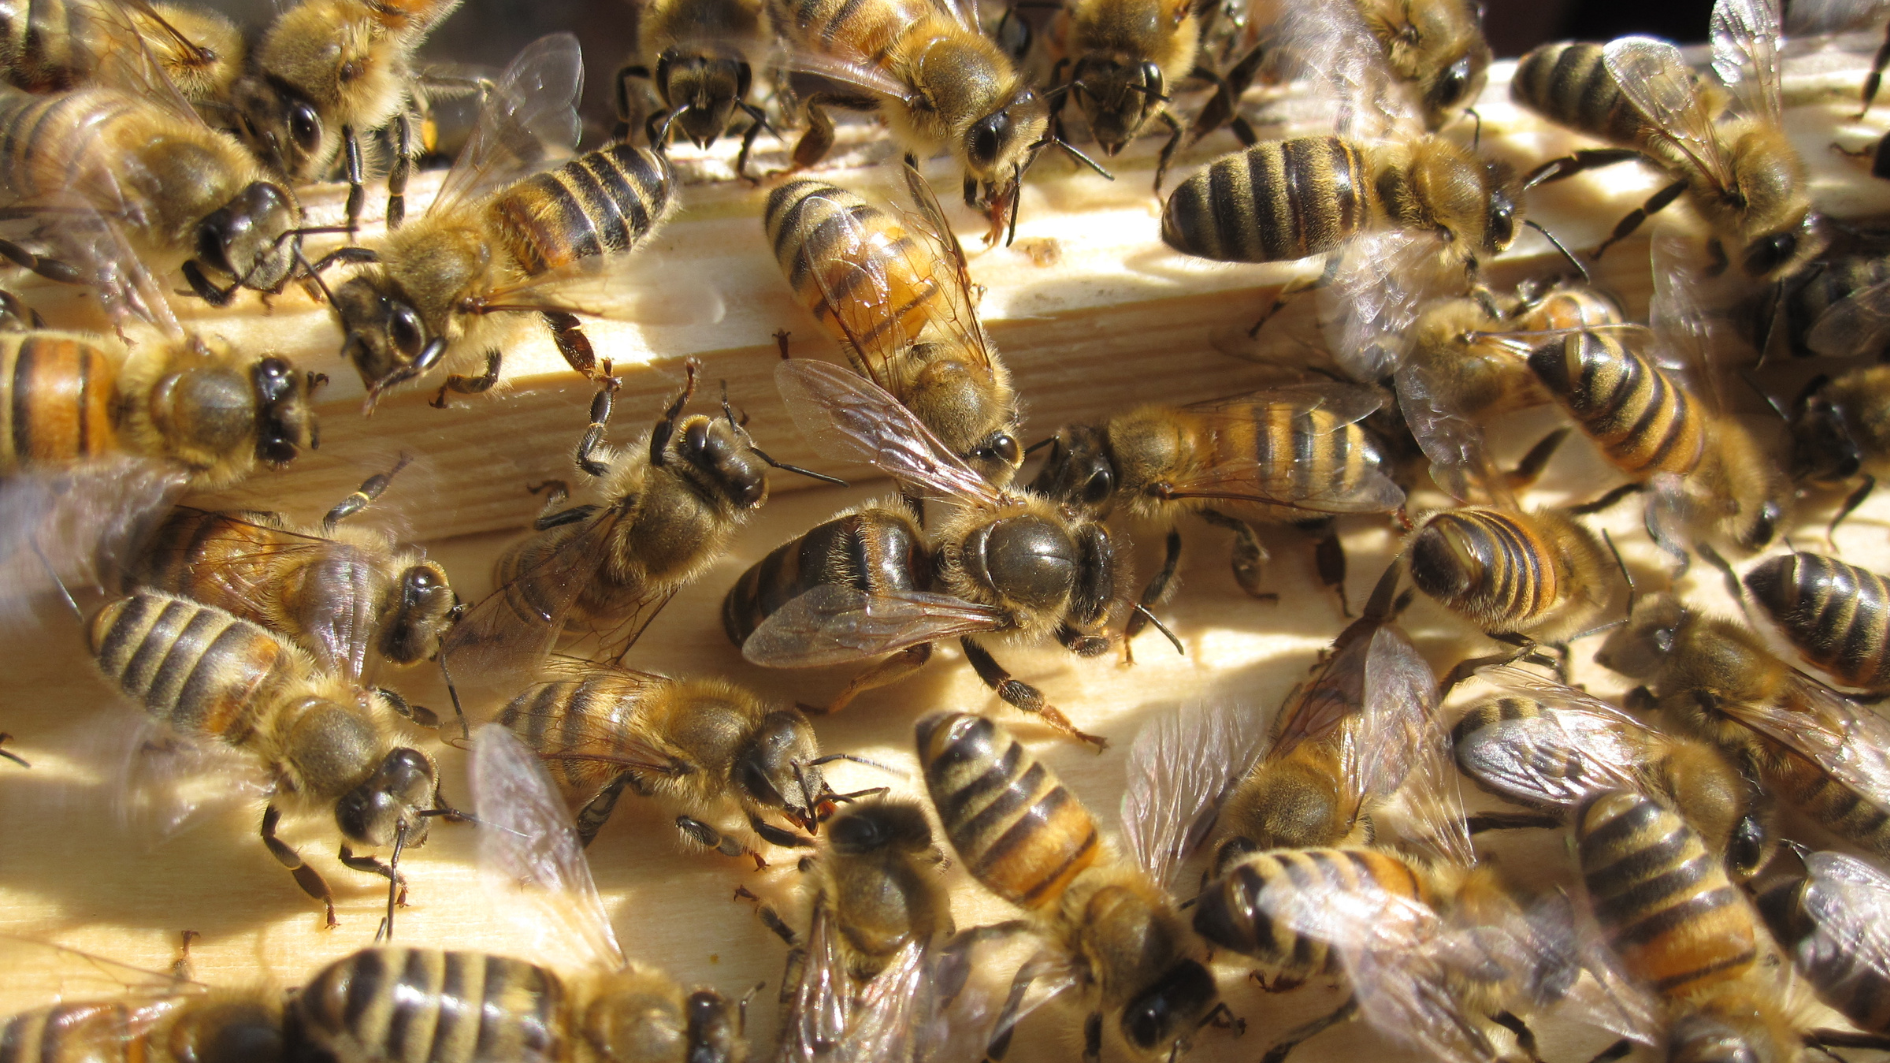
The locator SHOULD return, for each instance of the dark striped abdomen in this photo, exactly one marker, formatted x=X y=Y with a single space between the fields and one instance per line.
x=1310 y=449
x=854 y=266
x=1641 y=418
x=1249 y=908
x=1821 y=286
x=430 y=1006
x=1664 y=902
x=601 y=203
x=1018 y=831
x=194 y=667
x=877 y=549
x=43 y=45
x=1489 y=565
x=1828 y=956
x=223 y=559
x=1837 y=615
x=1569 y=84
x=73 y=1033
x=1277 y=201
x=56 y=397
x=854 y=28
x=1817 y=794
x=585 y=729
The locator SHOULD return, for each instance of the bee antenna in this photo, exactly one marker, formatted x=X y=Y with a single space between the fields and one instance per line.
x=1770 y=402
x=1622 y=565
x=785 y=467
x=1161 y=627
x=314 y=275
x=857 y=794
x=1070 y=149
x=385 y=932
x=1040 y=444
x=1476 y=135
x=829 y=758
x=57 y=582
x=1557 y=244
x=452 y=692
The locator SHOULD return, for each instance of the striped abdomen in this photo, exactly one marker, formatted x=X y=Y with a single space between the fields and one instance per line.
x=1837 y=615
x=1821 y=286
x=1277 y=201
x=856 y=29
x=1249 y=909
x=43 y=44
x=1488 y=564
x=1817 y=794
x=1569 y=84
x=585 y=729
x=57 y=393
x=867 y=279
x=1311 y=453
x=1829 y=956
x=601 y=203
x=430 y=1006
x=1472 y=740
x=1641 y=418
x=223 y=559
x=1018 y=831
x=193 y=667
x=1665 y=904
x=877 y=549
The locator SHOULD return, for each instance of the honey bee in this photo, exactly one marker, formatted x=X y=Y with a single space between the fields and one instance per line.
x=1436 y=47
x=936 y=79
x=492 y=242
x=709 y=750
x=136 y=158
x=337 y=592
x=1722 y=144
x=1827 y=919
x=1837 y=615
x=210 y=677
x=1563 y=305
x=700 y=57
x=1548 y=746
x=1295 y=454
x=49 y=46
x=1283 y=200
x=1835 y=307
x=327 y=73
x=1463 y=351
x=898 y=297
x=1676 y=925
x=1108 y=924
x=1716 y=680
x=476 y=1007
x=1014 y=565
x=1839 y=434
x=1123 y=57
x=1358 y=738
x=659 y=512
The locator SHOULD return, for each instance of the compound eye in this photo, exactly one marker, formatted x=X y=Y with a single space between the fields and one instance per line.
x=987 y=139
x=1502 y=221
x=404 y=328
x=1099 y=487
x=305 y=126
x=1771 y=252
x=1452 y=84
x=1006 y=449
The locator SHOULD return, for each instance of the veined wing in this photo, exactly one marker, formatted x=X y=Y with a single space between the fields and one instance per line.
x=841 y=624
x=1180 y=768
x=529 y=114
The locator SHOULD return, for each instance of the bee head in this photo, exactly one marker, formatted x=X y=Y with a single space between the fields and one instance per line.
x=1823 y=449
x=1504 y=212
x=1117 y=98
x=385 y=338
x=252 y=237
x=1457 y=83
x=999 y=146
x=282 y=126
x=1168 y=1011
x=1638 y=648
x=879 y=826
x=285 y=421
x=774 y=768
x=702 y=91
x=715 y=1028
x=723 y=459
x=1079 y=471
x=419 y=615
x=399 y=790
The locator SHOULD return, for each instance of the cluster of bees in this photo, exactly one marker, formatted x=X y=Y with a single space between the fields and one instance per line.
x=1726 y=820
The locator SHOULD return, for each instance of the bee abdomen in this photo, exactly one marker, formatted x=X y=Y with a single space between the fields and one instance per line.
x=1838 y=615
x=835 y=248
x=1018 y=830
x=576 y=725
x=197 y=668
x=1239 y=912
x=1278 y=200
x=432 y=1006
x=602 y=203
x=1835 y=806
x=1306 y=448
x=72 y=1033
x=872 y=551
x=1827 y=956
x=1664 y=902
x=45 y=46
x=1569 y=83
x=1641 y=418
x=1487 y=565
x=56 y=398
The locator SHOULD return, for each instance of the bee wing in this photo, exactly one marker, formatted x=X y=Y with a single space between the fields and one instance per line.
x=1849 y=900
x=888 y=1011
x=1857 y=325
x=1459 y=453
x=167 y=782
x=1326 y=44
x=511 y=630
x=64 y=975
x=1402 y=749
x=1850 y=743
x=1180 y=768
x=817 y=1013
x=1282 y=482
x=626 y=747
x=126 y=59
x=75 y=527
x=854 y=419
x=1577 y=973
x=1579 y=746
x=529 y=114
x=1331 y=696
x=847 y=68
x=1807 y=18
x=1657 y=81
x=1746 y=41
x=841 y=624
x=531 y=863
x=929 y=222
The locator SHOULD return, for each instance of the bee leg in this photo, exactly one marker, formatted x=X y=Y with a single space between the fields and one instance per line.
x=710 y=838
x=954 y=956
x=769 y=917
x=1525 y=1037
x=1294 y=1038
x=1467 y=668
x=1007 y=1017
x=1168 y=149
x=620 y=93
x=568 y=333
x=1576 y=162
x=305 y=876
x=1329 y=558
x=202 y=287
x=470 y=385
x=1249 y=555
x=370 y=864
x=397 y=174
x=1617 y=1050
x=357 y=189
x=1654 y=205
x=1223 y=107
x=759 y=123
x=1223 y=1018
x=363 y=496
x=1846 y=1039
x=886 y=672
x=1279 y=983
x=818 y=140
x=1160 y=586
x=50 y=268
x=774 y=835
x=1850 y=505
x=596 y=812
x=1607 y=501
x=1022 y=695
x=1294 y=287
x=1877 y=64
x=1092 y=1036
x=1489 y=821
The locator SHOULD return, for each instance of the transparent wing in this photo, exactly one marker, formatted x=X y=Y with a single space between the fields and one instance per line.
x=854 y=419
x=1850 y=743
x=66 y=975
x=1276 y=481
x=1579 y=745
x=126 y=60
x=1454 y=442
x=1325 y=44
x=585 y=738
x=1855 y=326
x=1806 y=18
x=888 y=1009
x=841 y=624
x=1849 y=900
x=1403 y=748
x=1746 y=39
x=1657 y=81
x=1180 y=768
x=816 y=1014
x=1575 y=974
x=531 y=864
x=76 y=527
x=168 y=783
x=1369 y=310
x=847 y=68
x=529 y=116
